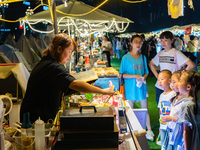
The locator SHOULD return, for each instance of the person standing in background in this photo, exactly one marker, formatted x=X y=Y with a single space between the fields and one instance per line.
x=192 y=47
x=178 y=43
x=119 y=47
x=114 y=47
x=182 y=39
x=106 y=47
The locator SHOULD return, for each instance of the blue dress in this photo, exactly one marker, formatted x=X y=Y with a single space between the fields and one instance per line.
x=133 y=66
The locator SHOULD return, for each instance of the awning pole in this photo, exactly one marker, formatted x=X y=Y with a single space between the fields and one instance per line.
x=55 y=17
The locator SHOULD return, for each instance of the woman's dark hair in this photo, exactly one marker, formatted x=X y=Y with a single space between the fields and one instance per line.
x=106 y=37
x=62 y=40
x=167 y=35
x=143 y=36
x=178 y=74
x=192 y=37
x=193 y=79
x=134 y=36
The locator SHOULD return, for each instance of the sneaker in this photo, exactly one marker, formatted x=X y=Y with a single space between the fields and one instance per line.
x=150 y=136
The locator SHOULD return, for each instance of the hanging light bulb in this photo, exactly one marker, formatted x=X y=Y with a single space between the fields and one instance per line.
x=65 y=3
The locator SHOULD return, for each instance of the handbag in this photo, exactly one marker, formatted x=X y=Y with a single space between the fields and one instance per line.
x=122 y=88
x=111 y=51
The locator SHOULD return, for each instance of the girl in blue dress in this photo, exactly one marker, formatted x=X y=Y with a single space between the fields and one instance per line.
x=187 y=131
x=134 y=70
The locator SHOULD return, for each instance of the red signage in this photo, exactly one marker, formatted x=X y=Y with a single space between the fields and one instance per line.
x=188 y=31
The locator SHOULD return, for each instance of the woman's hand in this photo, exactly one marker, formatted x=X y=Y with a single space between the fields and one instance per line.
x=107 y=91
x=167 y=118
x=138 y=77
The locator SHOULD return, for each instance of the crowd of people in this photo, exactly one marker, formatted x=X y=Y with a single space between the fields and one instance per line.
x=152 y=45
x=176 y=89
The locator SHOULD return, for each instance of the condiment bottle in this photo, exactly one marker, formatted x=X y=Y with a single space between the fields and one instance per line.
x=39 y=135
x=26 y=132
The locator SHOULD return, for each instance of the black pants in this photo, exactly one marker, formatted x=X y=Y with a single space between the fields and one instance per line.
x=108 y=57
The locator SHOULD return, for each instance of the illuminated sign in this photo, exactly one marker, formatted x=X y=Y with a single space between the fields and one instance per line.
x=4 y=29
x=45 y=7
x=26 y=3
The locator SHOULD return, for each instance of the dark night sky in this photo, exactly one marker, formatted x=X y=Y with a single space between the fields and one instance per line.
x=139 y=13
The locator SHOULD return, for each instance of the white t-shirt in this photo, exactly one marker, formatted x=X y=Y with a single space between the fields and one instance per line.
x=118 y=45
x=164 y=105
x=171 y=60
x=107 y=44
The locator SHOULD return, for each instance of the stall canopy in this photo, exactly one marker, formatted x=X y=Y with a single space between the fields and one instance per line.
x=10 y=40
x=29 y=54
x=40 y=41
x=48 y=39
x=78 y=7
x=81 y=17
x=3 y=58
x=14 y=55
x=35 y=46
x=10 y=76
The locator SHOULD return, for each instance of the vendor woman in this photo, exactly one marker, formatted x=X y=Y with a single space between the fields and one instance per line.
x=50 y=79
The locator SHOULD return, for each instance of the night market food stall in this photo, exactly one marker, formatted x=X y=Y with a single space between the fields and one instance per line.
x=102 y=107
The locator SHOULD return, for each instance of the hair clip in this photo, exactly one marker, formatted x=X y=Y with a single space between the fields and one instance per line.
x=183 y=71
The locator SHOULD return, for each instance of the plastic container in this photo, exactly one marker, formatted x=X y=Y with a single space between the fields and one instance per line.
x=39 y=135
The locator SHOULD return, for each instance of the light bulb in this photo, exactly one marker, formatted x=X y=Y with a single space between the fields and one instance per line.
x=65 y=3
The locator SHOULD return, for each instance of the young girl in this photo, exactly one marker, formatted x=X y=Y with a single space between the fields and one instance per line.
x=134 y=69
x=176 y=103
x=169 y=58
x=187 y=131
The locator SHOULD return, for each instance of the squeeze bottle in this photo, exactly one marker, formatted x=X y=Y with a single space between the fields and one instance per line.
x=39 y=135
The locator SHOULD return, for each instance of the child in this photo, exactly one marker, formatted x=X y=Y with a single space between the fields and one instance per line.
x=187 y=131
x=134 y=70
x=169 y=58
x=164 y=80
x=176 y=104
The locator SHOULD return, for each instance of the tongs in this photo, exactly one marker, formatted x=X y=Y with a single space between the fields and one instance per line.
x=108 y=98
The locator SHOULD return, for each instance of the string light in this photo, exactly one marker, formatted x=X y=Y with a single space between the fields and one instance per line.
x=123 y=30
x=38 y=30
x=41 y=20
x=127 y=1
x=10 y=1
x=29 y=10
x=86 y=23
x=4 y=4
